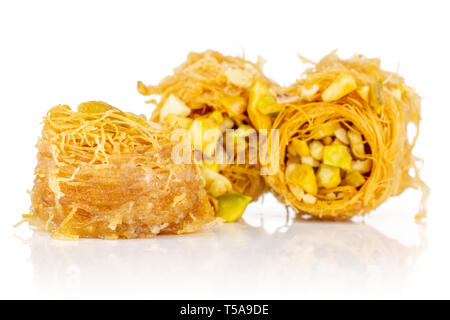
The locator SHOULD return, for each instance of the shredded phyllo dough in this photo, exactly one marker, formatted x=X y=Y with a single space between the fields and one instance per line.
x=212 y=91
x=344 y=148
x=103 y=173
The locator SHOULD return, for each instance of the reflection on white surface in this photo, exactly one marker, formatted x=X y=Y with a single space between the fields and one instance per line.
x=263 y=258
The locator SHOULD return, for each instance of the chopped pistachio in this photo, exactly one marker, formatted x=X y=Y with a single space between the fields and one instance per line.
x=211 y=165
x=376 y=96
x=174 y=120
x=343 y=85
x=356 y=143
x=328 y=176
x=235 y=105
x=297 y=191
x=173 y=105
x=341 y=134
x=245 y=131
x=291 y=151
x=364 y=93
x=257 y=93
x=217 y=117
x=94 y=107
x=316 y=149
x=301 y=147
x=232 y=206
x=216 y=184
x=310 y=199
x=327 y=129
x=354 y=179
x=362 y=166
x=303 y=176
x=269 y=106
x=327 y=140
x=331 y=195
x=310 y=161
x=239 y=77
x=226 y=124
x=338 y=156
x=307 y=93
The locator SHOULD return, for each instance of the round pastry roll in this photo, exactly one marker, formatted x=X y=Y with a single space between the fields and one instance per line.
x=208 y=95
x=343 y=138
x=332 y=162
x=103 y=173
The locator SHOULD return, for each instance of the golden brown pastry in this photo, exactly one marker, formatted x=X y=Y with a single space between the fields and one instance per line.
x=342 y=138
x=207 y=95
x=103 y=173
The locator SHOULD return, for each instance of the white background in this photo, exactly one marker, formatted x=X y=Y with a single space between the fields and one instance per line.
x=58 y=52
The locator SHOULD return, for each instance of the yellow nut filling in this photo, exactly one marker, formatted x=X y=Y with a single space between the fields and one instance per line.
x=173 y=105
x=217 y=117
x=235 y=105
x=354 y=179
x=338 y=156
x=301 y=147
x=362 y=166
x=303 y=176
x=216 y=184
x=326 y=130
x=343 y=85
x=94 y=107
x=356 y=143
x=174 y=120
x=258 y=92
x=268 y=105
x=316 y=148
x=328 y=176
x=323 y=168
x=232 y=206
